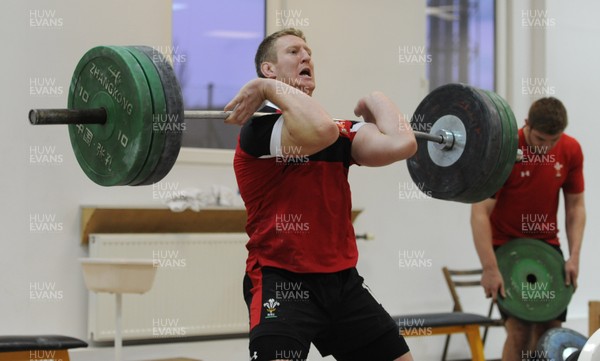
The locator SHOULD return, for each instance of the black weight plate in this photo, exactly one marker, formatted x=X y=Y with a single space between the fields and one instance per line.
x=173 y=125
x=159 y=112
x=508 y=149
x=482 y=143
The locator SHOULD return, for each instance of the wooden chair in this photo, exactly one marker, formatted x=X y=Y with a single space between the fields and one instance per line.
x=466 y=278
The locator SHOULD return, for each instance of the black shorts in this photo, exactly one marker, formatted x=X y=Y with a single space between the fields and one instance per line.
x=563 y=316
x=334 y=311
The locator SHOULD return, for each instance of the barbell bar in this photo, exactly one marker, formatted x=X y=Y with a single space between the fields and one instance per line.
x=125 y=118
x=99 y=116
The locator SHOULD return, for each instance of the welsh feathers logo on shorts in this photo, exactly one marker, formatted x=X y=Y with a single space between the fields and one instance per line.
x=271 y=307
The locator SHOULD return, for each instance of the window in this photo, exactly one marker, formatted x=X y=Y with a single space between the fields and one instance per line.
x=214 y=43
x=461 y=42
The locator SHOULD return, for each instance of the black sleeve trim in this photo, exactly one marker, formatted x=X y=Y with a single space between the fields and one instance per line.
x=255 y=136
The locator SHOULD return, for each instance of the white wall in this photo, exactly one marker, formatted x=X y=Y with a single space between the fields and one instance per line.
x=56 y=188
x=572 y=55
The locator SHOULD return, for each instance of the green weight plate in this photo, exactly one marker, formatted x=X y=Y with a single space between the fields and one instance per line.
x=511 y=139
x=112 y=153
x=173 y=125
x=159 y=112
x=534 y=280
x=471 y=161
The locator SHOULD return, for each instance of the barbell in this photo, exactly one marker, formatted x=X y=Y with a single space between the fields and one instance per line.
x=125 y=118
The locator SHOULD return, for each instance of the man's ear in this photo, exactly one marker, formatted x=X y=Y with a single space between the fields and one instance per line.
x=268 y=69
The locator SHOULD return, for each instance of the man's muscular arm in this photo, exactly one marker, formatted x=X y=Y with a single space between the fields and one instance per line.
x=307 y=128
x=386 y=138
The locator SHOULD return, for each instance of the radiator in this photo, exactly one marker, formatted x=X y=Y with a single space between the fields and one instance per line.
x=197 y=290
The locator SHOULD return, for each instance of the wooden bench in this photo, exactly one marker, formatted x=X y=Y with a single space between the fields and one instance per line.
x=429 y=324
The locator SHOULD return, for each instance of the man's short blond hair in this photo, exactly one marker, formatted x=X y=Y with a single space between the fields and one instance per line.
x=266 y=49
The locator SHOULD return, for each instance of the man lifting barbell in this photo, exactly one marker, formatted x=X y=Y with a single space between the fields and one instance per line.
x=301 y=234
x=526 y=207
x=121 y=97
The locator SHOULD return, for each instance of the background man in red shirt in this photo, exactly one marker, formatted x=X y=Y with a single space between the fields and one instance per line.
x=526 y=207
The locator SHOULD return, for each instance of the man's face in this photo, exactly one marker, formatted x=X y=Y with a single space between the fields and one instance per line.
x=539 y=142
x=294 y=64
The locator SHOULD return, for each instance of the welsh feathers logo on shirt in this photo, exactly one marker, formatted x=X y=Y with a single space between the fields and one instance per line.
x=344 y=127
x=558 y=167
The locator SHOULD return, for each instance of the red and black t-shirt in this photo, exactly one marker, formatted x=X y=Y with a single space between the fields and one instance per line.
x=527 y=204
x=299 y=207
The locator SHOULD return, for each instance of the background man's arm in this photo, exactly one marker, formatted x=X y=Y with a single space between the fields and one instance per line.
x=575 y=216
x=491 y=279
